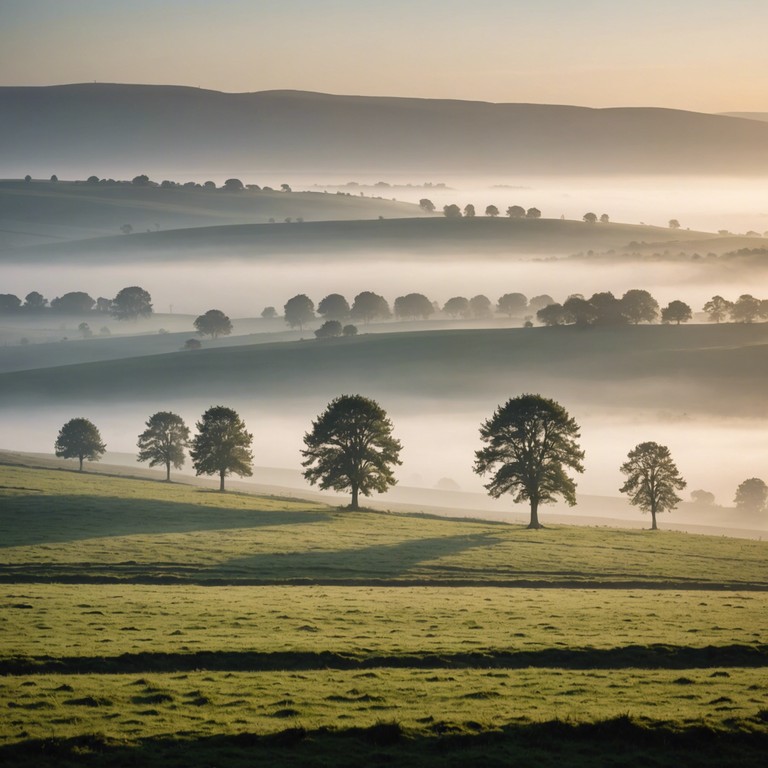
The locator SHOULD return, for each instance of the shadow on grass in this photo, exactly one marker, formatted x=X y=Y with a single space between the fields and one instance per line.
x=553 y=744
x=624 y=657
x=33 y=519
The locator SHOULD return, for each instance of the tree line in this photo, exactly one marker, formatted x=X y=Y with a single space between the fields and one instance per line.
x=129 y=304
x=531 y=444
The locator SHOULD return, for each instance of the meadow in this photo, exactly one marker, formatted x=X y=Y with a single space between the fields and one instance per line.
x=164 y=624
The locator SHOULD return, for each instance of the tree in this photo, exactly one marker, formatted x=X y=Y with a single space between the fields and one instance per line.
x=269 y=313
x=579 y=311
x=702 y=498
x=369 y=306
x=590 y=218
x=299 y=310
x=349 y=330
x=492 y=211
x=35 y=302
x=213 y=323
x=751 y=495
x=233 y=185
x=426 y=205
x=531 y=442
x=141 y=181
x=192 y=344
x=512 y=304
x=163 y=441
x=745 y=309
x=458 y=306
x=92 y=180
x=126 y=229
x=638 y=306
x=469 y=211
x=605 y=218
x=222 y=445
x=9 y=302
x=652 y=479
x=75 y=302
x=329 y=329
x=79 y=439
x=350 y=447
x=608 y=309
x=552 y=314
x=333 y=307
x=413 y=305
x=674 y=224
x=718 y=308
x=480 y=306
x=452 y=211
x=285 y=188
x=131 y=303
x=533 y=213
x=515 y=211
x=676 y=312
x=85 y=330
x=539 y=302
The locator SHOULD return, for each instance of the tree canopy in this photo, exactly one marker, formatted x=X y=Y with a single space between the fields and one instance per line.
x=530 y=443
x=413 y=305
x=351 y=447
x=369 y=306
x=491 y=211
x=480 y=306
x=80 y=439
x=74 y=302
x=131 y=303
x=163 y=441
x=213 y=323
x=676 y=312
x=652 y=479
x=299 y=310
x=638 y=306
x=329 y=329
x=222 y=445
x=512 y=304
x=452 y=211
x=718 y=308
x=458 y=306
x=751 y=495
x=333 y=307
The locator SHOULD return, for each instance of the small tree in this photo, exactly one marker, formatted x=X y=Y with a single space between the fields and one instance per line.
x=492 y=211
x=605 y=218
x=333 y=307
x=652 y=479
x=329 y=329
x=269 y=313
x=192 y=344
x=131 y=303
x=531 y=442
x=349 y=330
x=751 y=495
x=85 y=330
x=676 y=312
x=539 y=302
x=590 y=218
x=163 y=441
x=674 y=224
x=299 y=310
x=469 y=211
x=452 y=211
x=79 y=439
x=350 y=447
x=718 y=308
x=126 y=229
x=533 y=213
x=213 y=323
x=233 y=185
x=515 y=211
x=222 y=445
x=426 y=205
x=702 y=498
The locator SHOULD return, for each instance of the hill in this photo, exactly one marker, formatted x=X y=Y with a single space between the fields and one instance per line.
x=45 y=211
x=120 y=130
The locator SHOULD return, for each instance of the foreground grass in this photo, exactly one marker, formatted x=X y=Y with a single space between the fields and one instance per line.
x=99 y=528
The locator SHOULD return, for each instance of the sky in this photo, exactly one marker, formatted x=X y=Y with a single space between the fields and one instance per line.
x=702 y=55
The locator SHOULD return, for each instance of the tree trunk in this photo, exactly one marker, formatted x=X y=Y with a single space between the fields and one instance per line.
x=167 y=471
x=81 y=463
x=653 y=520
x=221 y=480
x=535 y=515
x=354 y=505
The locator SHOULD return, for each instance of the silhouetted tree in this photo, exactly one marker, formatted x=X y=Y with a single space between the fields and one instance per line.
x=222 y=445
x=75 y=302
x=552 y=314
x=54 y=178
x=533 y=213
x=579 y=311
x=480 y=306
x=285 y=188
x=349 y=330
x=126 y=229
x=299 y=310
x=192 y=344
x=590 y=218
x=333 y=307
x=269 y=313
x=608 y=309
x=92 y=180
x=131 y=303
x=213 y=323
x=652 y=479
x=515 y=211
x=605 y=219
x=703 y=498
x=718 y=308
x=369 y=306
x=539 y=302
x=85 y=330
x=426 y=205
x=512 y=304
x=751 y=495
x=163 y=442
x=458 y=306
x=413 y=305
x=674 y=224
x=530 y=443
x=141 y=181
x=745 y=309
x=350 y=447
x=35 y=302
x=469 y=211
x=9 y=302
x=638 y=306
x=79 y=439
x=103 y=305
x=492 y=211
x=676 y=312
x=234 y=185
x=328 y=330
x=452 y=211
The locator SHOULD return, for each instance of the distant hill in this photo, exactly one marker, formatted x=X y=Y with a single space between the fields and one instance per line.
x=762 y=116
x=128 y=129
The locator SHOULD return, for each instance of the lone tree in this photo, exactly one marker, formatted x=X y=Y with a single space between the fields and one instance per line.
x=222 y=445
x=131 y=303
x=79 y=439
x=299 y=310
x=350 y=447
x=652 y=479
x=531 y=442
x=163 y=441
x=676 y=312
x=213 y=323
x=751 y=495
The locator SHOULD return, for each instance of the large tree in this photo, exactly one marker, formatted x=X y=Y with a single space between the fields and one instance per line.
x=638 y=306
x=746 y=309
x=299 y=310
x=333 y=307
x=413 y=305
x=652 y=479
x=213 y=323
x=79 y=439
x=131 y=303
x=751 y=495
x=531 y=442
x=458 y=306
x=350 y=447
x=512 y=304
x=369 y=306
x=480 y=306
x=74 y=302
x=718 y=308
x=222 y=445
x=35 y=301
x=676 y=312
x=163 y=441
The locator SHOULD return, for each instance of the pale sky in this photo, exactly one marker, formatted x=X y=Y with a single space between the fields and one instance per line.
x=705 y=55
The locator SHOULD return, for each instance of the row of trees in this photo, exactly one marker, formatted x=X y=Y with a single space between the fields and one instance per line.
x=130 y=303
x=635 y=306
x=142 y=180
x=531 y=444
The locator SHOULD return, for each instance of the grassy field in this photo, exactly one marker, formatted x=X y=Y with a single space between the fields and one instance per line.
x=161 y=624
